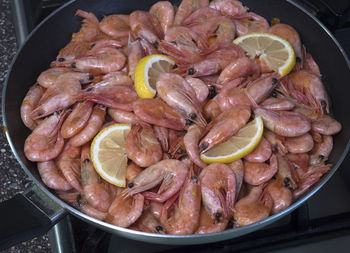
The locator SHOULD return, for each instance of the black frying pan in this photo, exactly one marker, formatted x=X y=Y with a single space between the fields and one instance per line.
x=35 y=211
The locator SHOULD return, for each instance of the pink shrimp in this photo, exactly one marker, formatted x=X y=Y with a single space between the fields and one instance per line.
x=250 y=22
x=238 y=168
x=282 y=197
x=91 y=211
x=259 y=173
x=286 y=173
x=91 y=128
x=162 y=135
x=298 y=160
x=165 y=13
x=132 y=170
x=89 y=30
x=311 y=65
x=114 y=79
x=186 y=8
x=69 y=164
x=52 y=177
x=116 y=26
x=319 y=154
x=310 y=177
x=191 y=140
x=299 y=144
x=278 y=104
x=229 y=8
x=94 y=189
x=184 y=218
x=326 y=125
x=177 y=93
x=135 y=53
x=218 y=186
x=261 y=153
x=50 y=76
x=291 y=35
x=255 y=206
x=200 y=16
x=45 y=142
x=73 y=50
x=200 y=88
x=224 y=126
x=276 y=141
x=146 y=26
x=77 y=119
x=241 y=67
x=148 y=223
x=285 y=123
x=312 y=88
x=142 y=146
x=124 y=211
x=155 y=111
x=208 y=224
x=29 y=102
x=57 y=97
x=170 y=173
x=122 y=116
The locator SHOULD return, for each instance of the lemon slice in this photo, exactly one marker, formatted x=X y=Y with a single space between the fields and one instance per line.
x=238 y=146
x=147 y=72
x=108 y=153
x=273 y=50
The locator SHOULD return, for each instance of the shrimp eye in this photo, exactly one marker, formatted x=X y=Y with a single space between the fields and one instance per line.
x=204 y=145
x=180 y=151
x=251 y=19
x=61 y=59
x=218 y=216
x=188 y=122
x=321 y=157
x=175 y=66
x=323 y=103
x=159 y=228
x=286 y=182
x=173 y=42
x=89 y=89
x=298 y=59
x=191 y=71
x=138 y=38
x=87 y=160
x=212 y=91
x=131 y=185
x=74 y=65
x=193 y=116
x=155 y=44
x=194 y=178
x=91 y=77
x=274 y=94
x=274 y=80
x=92 y=45
x=274 y=148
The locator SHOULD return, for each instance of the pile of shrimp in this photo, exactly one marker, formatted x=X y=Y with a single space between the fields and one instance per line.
x=213 y=91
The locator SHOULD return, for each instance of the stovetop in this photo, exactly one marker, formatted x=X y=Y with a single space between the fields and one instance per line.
x=324 y=217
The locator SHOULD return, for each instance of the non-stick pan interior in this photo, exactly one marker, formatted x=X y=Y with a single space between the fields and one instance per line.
x=45 y=42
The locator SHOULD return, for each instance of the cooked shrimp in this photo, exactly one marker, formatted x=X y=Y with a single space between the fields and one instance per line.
x=122 y=116
x=146 y=26
x=45 y=142
x=276 y=141
x=73 y=50
x=170 y=173
x=218 y=186
x=250 y=22
x=148 y=223
x=255 y=206
x=191 y=140
x=177 y=93
x=285 y=123
x=312 y=87
x=115 y=79
x=91 y=128
x=103 y=61
x=69 y=164
x=326 y=125
x=135 y=53
x=52 y=177
x=224 y=126
x=165 y=13
x=186 y=8
x=311 y=65
x=89 y=30
x=156 y=208
x=261 y=153
x=199 y=87
x=278 y=104
x=132 y=171
x=241 y=67
x=29 y=102
x=299 y=160
x=291 y=35
x=184 y=218
x=162 y=135
x=50 y=76
x=229 y=8
x=209 y=224
x=124 y=211
x=200 y=16
x=238 y=168
x=116 y=26
x=281 y=196
x=310 y=177
x=319 y=154
x=286 y=173
x=94 y=189
x=259 y=173
x=93 y=212
x=299 y=144
x=142 y=145
x=77 y=119
x=57 y=97
x=155 y=111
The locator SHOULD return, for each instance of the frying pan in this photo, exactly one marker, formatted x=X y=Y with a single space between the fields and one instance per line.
x=34 y=212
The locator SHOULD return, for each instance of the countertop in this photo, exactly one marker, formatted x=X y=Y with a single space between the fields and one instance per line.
x=13 y=180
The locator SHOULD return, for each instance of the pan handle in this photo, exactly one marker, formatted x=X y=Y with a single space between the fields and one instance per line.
x=26 y=216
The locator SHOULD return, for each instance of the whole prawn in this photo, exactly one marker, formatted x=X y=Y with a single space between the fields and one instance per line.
x=29 y=102
x=165 y=13
x=259 y=173
x=52 y=177
x=229 y=8
x=191 y=140
x=186 y=8
x=261 y=153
